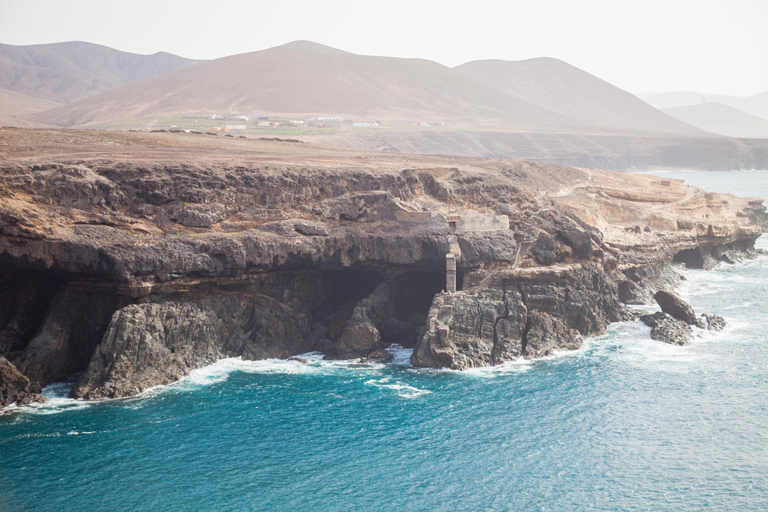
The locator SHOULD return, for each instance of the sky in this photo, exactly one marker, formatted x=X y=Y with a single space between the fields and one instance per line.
x=708 y=46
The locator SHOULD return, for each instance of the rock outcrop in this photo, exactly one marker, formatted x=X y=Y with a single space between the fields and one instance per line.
x=361 y=334
x=673 y=323
x=527 y=314
x=15 y=388
x=675 y=307
x=151 y=344
x=714 y=322
x=668 y=329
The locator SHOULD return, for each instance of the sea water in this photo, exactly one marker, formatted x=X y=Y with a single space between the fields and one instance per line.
x=623 y=424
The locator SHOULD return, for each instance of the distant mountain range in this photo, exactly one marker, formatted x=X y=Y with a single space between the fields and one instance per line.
x=304 y=78
x=65 y=72
x=733 y=116
x=722 y=119
x=757 y=105
x=542 y=109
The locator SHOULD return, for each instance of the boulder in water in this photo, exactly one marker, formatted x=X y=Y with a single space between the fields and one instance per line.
x=668 y=329
x=675 y=306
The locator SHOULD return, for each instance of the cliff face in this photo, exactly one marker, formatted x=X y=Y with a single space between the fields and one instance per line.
x=137 y=269
x=527 y=313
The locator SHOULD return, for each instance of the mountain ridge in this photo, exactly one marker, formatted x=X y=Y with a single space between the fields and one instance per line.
x=69 y=71
x=306 y=78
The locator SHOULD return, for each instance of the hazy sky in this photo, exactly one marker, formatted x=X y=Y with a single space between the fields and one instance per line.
x=710 y=46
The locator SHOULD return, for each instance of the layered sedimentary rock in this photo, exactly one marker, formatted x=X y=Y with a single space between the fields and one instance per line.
x=176 y=251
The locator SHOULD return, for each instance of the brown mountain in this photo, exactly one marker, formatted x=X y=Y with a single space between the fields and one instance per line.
x=557 y=86
x=305 y=78
x=65 y=72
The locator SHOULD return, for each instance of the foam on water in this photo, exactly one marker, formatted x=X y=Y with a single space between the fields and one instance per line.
x=402 y=390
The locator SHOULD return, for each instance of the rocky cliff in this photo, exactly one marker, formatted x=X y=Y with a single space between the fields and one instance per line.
x=131 y=259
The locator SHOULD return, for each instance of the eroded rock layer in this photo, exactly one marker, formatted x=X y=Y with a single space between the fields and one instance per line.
x=136 y=268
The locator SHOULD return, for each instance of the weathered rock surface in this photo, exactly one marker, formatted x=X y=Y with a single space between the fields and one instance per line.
x=15 y=388
x=668 y=329
x=714 y=322
x=675 y=307
x=361 y=335
x=471 y=329
x=528 y=314
x=151 y=344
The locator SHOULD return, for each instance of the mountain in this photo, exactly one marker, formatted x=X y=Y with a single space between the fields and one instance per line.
x=722 y=119
x=304 y=78
x=560 y=87
x=541 y=109
x=65 y=72
x=756 y=105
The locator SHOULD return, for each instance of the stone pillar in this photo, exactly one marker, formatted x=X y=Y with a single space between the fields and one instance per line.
x=450 y=273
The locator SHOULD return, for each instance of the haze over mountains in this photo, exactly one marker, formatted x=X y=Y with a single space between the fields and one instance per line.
x=721 y=119
x=304 y=78
x=557 y=86
x=732 y=116
x=539 y=109
x=65 y=72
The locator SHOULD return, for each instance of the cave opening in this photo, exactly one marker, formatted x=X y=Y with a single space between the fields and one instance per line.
x=412 y=293
x=401 y=306
x=690 y=257
x=24 y=300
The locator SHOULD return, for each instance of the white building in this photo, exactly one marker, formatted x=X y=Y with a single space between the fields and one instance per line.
x=236 y=127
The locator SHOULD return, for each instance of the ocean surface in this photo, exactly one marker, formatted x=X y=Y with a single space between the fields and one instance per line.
x=623 y=424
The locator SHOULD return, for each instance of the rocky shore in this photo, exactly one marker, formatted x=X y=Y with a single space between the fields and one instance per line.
x=132 y=259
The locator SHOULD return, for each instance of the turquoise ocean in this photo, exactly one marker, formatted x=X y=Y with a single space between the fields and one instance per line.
x=623 y=424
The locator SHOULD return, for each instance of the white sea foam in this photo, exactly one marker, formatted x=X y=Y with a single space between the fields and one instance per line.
x=400 y=389
x=56 y=401
x=303 y=364
x=400 y=356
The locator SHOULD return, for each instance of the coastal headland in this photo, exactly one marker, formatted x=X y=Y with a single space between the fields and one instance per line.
x=130 y=259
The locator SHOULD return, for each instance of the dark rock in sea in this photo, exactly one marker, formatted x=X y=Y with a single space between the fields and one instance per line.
x=630 y=315
x=546 y=334
x=668 y=329
x=714 y=322
x=380 y=355
x=675 y=306
x=15 y=388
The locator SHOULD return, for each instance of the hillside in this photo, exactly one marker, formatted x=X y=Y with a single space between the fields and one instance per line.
x=557 y=86
x=542 y=109
x=13 y=104
x=65 y=72
x=722 y=119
